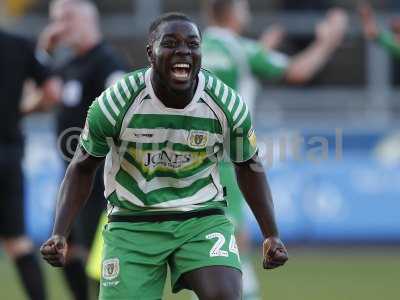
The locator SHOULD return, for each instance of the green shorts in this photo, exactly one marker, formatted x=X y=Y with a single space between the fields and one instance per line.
x=234 y=196
x=136 y=255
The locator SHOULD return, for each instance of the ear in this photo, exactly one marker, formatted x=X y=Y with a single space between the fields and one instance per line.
x=149 y=50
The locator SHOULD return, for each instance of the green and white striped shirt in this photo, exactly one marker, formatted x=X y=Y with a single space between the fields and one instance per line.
x=160 y=159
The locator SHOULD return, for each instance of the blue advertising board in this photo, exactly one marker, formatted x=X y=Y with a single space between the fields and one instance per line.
x=351 y=196
x=351 y=199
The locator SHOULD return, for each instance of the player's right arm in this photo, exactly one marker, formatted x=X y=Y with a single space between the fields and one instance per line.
x=75 y=189
x=77 y=183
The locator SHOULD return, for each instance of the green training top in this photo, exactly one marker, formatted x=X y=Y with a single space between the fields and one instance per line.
x=387 y=40
x=238 y=61
x=160 y=159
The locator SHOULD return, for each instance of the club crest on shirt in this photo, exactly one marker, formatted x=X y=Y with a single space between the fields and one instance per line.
x=198 y=139
x=110 y=268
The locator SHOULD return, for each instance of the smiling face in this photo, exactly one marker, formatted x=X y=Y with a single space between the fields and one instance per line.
x=175 y=54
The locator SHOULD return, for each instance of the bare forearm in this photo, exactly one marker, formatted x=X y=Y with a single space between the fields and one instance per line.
x=74 y=191
x=306 y=64
x=254 y=186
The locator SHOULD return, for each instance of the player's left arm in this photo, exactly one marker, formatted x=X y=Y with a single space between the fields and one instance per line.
x=253 y=183
x=254 y=186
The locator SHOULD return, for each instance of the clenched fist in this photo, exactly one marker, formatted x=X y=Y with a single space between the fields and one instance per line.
x=274 y=253
x=54 y=250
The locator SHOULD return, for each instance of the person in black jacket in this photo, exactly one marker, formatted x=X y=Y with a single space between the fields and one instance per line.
x=18 y=63
x=93 y=67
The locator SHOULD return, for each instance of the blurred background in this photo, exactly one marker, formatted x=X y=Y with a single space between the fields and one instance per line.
x=339 y=214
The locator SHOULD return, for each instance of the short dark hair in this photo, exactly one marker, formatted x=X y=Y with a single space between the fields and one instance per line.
x=167 y=17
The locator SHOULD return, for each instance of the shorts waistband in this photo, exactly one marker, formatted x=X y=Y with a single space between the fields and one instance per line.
x=165 y=217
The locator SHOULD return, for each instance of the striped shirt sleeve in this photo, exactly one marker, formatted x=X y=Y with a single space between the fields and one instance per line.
x=242 y=137
x=98 y=131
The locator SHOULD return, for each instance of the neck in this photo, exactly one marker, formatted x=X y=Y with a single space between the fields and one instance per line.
x=169 y=97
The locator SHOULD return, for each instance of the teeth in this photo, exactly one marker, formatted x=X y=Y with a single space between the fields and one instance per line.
x=181 y=66
x=181 y=71
x=181 y=75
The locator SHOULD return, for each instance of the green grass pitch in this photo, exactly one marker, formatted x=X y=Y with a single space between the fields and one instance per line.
x=311 y=274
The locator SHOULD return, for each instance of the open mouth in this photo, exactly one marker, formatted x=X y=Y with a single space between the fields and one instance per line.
x=181 y=71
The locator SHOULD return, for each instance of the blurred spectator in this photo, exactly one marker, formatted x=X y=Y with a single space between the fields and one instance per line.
x=390 y=40
x=94 y=67
x=239 y=62
x=233 y=58
x=387 y=149
x=18 y=63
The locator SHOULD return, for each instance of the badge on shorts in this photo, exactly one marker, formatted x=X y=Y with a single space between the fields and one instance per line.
x=110 y=268
x=198 y=138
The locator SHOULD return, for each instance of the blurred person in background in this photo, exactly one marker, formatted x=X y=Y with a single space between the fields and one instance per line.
x=93 y=67
x=239 y=62
x=18 y=63
x=387 y=150
x=388 y=39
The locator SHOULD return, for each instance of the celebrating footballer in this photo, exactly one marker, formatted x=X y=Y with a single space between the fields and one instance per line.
x=162 y=131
